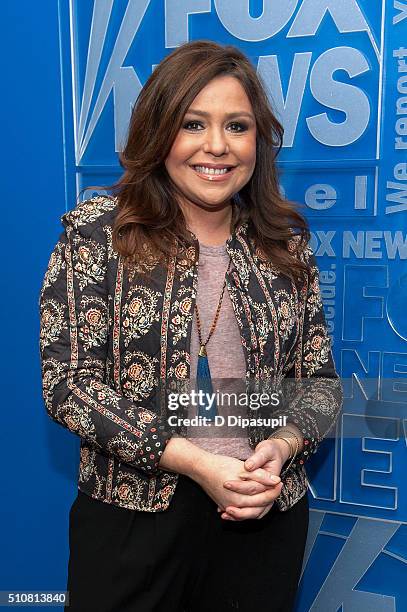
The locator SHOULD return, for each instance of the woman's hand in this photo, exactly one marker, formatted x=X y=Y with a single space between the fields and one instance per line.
x=214 y=470
x=267 y=460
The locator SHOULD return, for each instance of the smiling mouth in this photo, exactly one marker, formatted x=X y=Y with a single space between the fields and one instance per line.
x=213 y=173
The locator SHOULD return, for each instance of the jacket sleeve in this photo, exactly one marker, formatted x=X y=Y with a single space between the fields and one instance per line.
x=312 y=387
x=74 y=332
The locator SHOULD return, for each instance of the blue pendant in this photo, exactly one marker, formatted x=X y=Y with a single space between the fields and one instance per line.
x=204 y=383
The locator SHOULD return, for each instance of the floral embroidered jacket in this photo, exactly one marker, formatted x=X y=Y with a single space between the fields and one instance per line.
x=109 y=335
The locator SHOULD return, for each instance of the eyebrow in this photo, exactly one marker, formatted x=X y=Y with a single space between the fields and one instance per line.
x=196 y=111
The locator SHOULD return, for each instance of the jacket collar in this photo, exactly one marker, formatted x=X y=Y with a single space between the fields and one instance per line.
x=239 y=230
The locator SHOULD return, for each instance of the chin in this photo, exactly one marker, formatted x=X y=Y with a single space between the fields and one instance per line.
x=218 y=205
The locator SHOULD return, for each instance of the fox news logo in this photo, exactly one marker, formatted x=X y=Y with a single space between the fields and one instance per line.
x=320 y=61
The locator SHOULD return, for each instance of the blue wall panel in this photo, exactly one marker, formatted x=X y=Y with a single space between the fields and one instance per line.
x=337 y=78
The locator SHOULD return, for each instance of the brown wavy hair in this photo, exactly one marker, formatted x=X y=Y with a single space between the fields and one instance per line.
x=149 y=217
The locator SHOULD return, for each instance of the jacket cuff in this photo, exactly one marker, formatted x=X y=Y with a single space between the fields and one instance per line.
x=152 y=446
x=309 y=433
x=310 y=436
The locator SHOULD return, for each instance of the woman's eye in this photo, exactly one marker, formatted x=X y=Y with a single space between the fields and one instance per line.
x=186 y=126
x=242 y=126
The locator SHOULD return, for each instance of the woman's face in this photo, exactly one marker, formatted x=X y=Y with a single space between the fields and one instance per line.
x=219 y=129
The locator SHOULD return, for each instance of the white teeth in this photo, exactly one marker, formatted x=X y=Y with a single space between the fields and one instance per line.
x=205 y=170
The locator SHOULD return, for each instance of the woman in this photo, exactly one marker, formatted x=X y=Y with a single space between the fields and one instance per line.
x=196 y=269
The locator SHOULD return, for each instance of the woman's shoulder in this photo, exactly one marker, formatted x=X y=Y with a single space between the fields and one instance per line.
x=91 y=214
x=300 y=249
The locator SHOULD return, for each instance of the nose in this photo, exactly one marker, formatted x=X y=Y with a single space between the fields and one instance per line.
x=216 y=142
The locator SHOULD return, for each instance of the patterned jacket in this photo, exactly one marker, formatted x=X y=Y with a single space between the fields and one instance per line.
x=109 y=336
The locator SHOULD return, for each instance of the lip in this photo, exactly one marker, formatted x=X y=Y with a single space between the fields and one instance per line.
x=214 y=178
x=215 y=166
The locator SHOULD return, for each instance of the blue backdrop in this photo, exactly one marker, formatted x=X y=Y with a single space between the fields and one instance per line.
x=336 y=73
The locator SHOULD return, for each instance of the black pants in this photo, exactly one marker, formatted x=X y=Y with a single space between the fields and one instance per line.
x=185 y=559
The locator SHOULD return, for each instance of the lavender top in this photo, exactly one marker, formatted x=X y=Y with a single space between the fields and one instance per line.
x=225 y=356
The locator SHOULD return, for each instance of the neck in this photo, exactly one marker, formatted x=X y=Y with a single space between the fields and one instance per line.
x=211 y=227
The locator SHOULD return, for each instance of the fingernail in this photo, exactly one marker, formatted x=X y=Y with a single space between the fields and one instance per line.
x=249 y=464
x=227 y=485
x=275 y=479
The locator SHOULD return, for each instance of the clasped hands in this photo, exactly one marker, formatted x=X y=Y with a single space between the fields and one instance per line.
x=259 y=482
